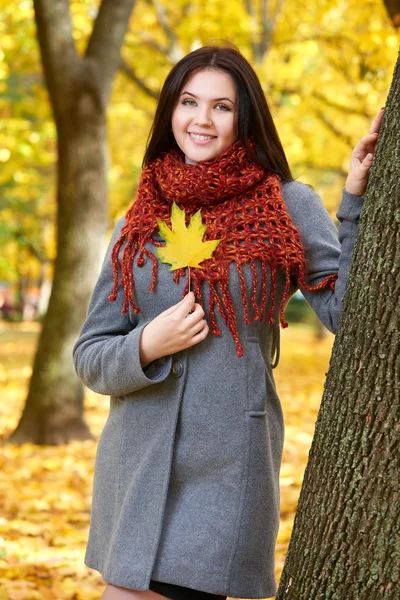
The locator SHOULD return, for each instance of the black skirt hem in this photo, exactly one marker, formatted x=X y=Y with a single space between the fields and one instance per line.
x=178 y=592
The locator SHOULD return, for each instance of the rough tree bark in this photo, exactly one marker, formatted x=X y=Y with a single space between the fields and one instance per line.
x=345 y=543
x=79 y=88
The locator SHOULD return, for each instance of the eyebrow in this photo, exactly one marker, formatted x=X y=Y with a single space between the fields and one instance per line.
x=212 y=99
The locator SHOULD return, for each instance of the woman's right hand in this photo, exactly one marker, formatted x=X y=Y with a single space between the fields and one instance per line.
x=173 y=330
x=362 y=157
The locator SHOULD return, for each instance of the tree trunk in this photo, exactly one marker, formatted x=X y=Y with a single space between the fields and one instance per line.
x=320 y=330
x=345 y=543
x=53 y=412
x=79 y=89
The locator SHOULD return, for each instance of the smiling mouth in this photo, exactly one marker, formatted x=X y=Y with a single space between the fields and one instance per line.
x=199 y=136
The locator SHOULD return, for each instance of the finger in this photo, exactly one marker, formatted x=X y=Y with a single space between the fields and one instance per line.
x=199 y=326
x=173 y=308
x=367 y=163
x=376 y=123
x=195 y=315
x=366 y=144
x=368 y=160
x=196 y=309
x=184 y=307
x=199 y=337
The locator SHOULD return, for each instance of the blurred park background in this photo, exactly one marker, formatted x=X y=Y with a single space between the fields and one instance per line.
x=326 y=68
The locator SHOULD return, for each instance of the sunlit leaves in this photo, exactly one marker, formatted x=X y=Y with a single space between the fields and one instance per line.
x=27 y=146
x=326 y=72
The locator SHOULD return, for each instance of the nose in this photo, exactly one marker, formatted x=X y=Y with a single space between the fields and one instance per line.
x=202 y=117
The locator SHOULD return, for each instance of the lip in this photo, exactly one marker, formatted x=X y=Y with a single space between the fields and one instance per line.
x=200 y=142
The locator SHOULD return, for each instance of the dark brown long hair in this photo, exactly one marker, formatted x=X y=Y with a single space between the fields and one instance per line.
x=254 y=119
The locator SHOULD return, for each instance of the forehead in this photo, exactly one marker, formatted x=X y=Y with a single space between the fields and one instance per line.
x=210 y=83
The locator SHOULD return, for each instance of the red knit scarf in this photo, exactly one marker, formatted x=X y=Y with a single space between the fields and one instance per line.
x=241 y=204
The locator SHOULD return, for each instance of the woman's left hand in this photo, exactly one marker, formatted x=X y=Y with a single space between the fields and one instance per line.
x=362 y=157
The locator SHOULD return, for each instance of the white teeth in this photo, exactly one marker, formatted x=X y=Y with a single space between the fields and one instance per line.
x=196 y=136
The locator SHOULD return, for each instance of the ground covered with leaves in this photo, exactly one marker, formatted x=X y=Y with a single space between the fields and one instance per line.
x=45 y=492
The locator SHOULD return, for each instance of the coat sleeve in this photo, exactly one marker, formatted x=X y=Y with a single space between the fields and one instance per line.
x=106 y=354
x=327 y=249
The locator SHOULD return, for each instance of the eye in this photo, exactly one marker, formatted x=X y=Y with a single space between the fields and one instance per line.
x=188 y=102
x=222 y=107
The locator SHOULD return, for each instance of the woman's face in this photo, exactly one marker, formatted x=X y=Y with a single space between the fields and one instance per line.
x=203 y=120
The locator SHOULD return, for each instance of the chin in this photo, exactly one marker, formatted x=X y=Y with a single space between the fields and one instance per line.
x=196 y=158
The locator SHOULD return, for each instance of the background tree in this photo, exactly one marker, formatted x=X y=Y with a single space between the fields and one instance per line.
x=79 y=89
x=346 y=537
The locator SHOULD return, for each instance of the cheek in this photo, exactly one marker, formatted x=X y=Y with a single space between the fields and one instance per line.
x=178 y=120
x=173 y=122
x=231 y=130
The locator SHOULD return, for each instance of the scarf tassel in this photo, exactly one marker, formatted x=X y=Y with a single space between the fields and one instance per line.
x=224 y=301
x=254 y=291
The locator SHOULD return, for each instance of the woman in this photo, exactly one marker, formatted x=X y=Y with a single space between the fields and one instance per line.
x=186 y=489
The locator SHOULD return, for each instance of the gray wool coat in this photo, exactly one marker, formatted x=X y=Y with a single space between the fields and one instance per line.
x=186 y=485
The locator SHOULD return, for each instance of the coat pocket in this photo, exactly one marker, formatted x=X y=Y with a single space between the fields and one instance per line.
x=256 y=380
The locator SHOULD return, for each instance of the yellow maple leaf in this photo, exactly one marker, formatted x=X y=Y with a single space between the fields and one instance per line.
x=184 y=245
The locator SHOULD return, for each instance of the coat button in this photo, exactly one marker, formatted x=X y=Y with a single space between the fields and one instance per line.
x=177 y=369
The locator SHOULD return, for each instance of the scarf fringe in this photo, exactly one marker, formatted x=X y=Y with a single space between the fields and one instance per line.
x=222 y=301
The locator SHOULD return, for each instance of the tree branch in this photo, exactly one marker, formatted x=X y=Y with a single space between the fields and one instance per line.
x=339 y=67
x=129 y=72
x=317 y=38
x=36 y=254
x=149 y=41
x=338 y=133
x=264 y=26
x=57 y=48
x=105 y=43
x=266 y=30
x=340 y=107
x=326 y=168
x=185 y=9
x=19 y=237
x=173 y=51
x=253 y=32
x=277 y=12
x=163 y=21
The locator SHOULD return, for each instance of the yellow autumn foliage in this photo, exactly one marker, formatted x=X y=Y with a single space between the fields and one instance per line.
x=326 y=70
